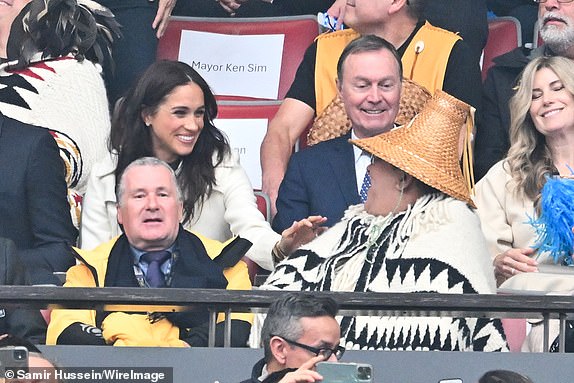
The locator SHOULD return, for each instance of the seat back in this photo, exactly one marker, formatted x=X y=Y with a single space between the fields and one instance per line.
x=263 y=204
x=536 y=38
x=299 y=32
x=245 y=124
x=504 y=35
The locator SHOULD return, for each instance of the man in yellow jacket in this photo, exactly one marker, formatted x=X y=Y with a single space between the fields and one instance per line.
x=432 y=57
x=154 y=251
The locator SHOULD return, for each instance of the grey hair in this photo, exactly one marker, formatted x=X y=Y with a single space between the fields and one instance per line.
x=146 y=161
x=284 y=314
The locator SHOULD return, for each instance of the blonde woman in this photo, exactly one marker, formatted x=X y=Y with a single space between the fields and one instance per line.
x=542 y=143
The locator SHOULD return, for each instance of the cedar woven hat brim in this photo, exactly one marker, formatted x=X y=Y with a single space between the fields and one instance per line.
x=333 y=121
x=427 y=148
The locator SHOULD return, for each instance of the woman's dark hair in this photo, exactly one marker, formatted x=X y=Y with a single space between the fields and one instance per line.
x=131 y=139
x=57 y=28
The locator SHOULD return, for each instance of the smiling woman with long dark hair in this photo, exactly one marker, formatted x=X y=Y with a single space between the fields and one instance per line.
x=169 y=114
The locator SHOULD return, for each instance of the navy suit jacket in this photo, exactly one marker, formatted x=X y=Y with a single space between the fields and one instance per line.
x=319 y=180
x=34 y=210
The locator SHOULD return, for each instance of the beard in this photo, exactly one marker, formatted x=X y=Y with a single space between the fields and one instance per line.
x=558 y=39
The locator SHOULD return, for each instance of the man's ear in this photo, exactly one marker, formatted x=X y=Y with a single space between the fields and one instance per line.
x=397 y=5
x=278 y=348
x=339 y=86
x=120 y=217
x=180 y=211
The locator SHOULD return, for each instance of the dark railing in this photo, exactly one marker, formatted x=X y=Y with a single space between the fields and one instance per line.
x=545 y=307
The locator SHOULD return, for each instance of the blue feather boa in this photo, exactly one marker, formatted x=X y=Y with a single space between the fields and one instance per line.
x=554 y=226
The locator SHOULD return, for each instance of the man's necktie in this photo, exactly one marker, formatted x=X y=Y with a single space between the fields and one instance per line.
x=155 y=259
x=365 y=187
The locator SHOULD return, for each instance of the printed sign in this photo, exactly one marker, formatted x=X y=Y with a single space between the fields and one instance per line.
x=235 y=65
x=245 y=136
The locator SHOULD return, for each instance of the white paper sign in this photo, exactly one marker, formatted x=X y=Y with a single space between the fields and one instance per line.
x=245 y=136
x=235 y=65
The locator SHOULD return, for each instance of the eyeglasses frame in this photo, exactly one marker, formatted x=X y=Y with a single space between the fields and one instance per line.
x=338 y=351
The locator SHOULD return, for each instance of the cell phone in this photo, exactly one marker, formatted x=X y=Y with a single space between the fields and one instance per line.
x=13 y=357
x=334 y=372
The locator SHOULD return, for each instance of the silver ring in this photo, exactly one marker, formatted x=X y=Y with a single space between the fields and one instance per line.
x=513 y=271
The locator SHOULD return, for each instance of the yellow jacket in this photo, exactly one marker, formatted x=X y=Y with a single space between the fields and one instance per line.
x=123 y=329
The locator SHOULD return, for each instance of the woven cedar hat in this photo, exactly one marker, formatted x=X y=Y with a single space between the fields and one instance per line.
x=427 y=148
x=333 y=121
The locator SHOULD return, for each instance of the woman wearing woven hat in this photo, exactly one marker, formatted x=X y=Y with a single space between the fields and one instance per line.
x=415 y=233
x=542 y=142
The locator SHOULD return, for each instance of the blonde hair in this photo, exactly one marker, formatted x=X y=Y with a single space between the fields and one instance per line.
x=529 y=158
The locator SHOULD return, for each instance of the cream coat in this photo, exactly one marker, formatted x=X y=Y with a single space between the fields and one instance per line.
x=231 y=209
x=503 y=214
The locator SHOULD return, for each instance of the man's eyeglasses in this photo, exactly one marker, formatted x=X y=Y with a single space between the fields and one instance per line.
x=325 y=352
x=560 y=1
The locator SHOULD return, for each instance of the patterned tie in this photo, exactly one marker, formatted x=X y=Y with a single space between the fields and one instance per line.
x=365 y=187
x=155 y=259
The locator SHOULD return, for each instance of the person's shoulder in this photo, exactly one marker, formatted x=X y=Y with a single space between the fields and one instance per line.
x=347 y=34
x=230 y=159
x=428 y=27
x=96 y=255
x=459 y=208
x=499 y=170
x=8 y=124
x=318 y=153
x=105 y=166
x=18 y=131
x=515 y=59
x=330 y=144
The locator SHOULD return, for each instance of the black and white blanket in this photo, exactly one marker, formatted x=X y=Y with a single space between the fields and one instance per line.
x=434 y=246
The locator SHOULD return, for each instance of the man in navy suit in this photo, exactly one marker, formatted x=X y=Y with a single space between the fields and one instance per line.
x=328 y=177
x=34 y=211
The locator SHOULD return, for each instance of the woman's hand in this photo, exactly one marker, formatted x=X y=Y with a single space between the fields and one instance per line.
x=300 y=233
x=514 y=261
x=306 y=373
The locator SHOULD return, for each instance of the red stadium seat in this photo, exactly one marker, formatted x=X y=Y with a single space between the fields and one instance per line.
x=504 y=34
x=299 y=31
x=263 y=204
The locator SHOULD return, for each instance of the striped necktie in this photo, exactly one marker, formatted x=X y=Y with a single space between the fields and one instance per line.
x=154 y=276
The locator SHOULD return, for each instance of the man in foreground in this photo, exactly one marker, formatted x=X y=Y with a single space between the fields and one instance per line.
x=299 y=331
x=154 y=251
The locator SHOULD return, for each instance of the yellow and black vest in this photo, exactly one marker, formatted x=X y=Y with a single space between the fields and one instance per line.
x=424 y=60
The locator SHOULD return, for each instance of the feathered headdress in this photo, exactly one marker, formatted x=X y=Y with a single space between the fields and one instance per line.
x=57 y=28
x=554 y=226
